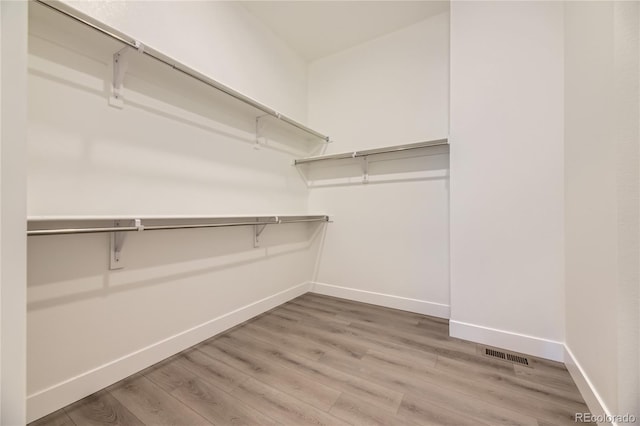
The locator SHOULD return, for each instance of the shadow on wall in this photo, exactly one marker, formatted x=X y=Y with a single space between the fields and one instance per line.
x=69 y=268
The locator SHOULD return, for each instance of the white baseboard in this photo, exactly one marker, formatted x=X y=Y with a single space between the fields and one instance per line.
x=522 y=343
x=390 y=301
x=596 y=405
x=59 y=395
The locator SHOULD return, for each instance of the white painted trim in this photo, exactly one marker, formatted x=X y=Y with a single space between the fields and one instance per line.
x=388 y=300
x=13 y=210
x=543 y=348
x=585 y=386
x=61 y=394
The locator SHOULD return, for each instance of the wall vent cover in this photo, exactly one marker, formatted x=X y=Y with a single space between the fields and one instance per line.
x=506 y=356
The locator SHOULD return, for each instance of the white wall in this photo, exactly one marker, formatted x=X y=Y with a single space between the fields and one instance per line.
x=13 y=117
x=388 y=91
x=627 y=124
x=389 y=243
x=602 y=196
x=507 y=222
x=590 y=188
x=240 y=51
x=171 y=150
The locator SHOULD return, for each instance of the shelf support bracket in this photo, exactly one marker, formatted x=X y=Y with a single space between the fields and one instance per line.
x=258 y=229
x=120 y=65
x=259 y=127
x=117 y=243
x=365 y=169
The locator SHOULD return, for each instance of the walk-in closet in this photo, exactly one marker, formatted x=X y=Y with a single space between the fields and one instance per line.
x=319 y=212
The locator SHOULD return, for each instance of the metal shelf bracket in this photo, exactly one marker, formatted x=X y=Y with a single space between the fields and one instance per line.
x=365 y=169
x=258 y=229
x=120 y=65
x=259 y=127
x=117 y=243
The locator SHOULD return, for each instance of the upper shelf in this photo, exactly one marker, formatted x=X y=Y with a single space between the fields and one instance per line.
x=130 y=42
x=368 y=152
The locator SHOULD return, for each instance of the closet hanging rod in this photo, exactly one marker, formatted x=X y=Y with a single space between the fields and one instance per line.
x=178 y=66
x=268 y=220
x=365 y=153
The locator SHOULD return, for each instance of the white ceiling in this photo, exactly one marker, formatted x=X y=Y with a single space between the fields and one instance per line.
x=319 y=28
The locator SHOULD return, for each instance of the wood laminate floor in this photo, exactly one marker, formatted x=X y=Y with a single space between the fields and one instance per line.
x=320 y=360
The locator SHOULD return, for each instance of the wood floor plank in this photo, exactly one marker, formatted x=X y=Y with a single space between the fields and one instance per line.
x=279 y=315
x=321 y=337
x=290 y=318
x=526 y=404
x=373 y=315
x=433 y=321
x=467 y=353
x=437 y=335
x=313 y=314
x=371 y=337
x=427 y=396
x=305 y=304
x=407 y=325
x=304 y=319
x=101 y=408
x=542 y=422
x=417 y=381
x=552 y=367
x=319 y=373
x=368 y=312
x=375 y=340
x=282 y=407
x=358 y=412
x=152 y=405
x=211 y=402
x=424 y=411
x=558 y=380
x=302 y=347
x=430 y=326
x=168 y=376
x=510 y=382
x=57 y=418
x=533 y=403
x=367 y=339
x=305 y=316
x=429 y=342
x=444 y=388
x=360 y=311
x=383 y=359
x=212 y=370
x=478 y=366
x=279 y=377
